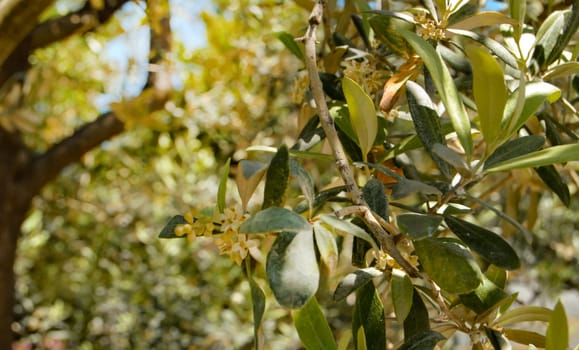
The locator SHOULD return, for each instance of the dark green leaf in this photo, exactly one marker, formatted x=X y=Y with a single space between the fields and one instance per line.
x=258 y=303
x=359 y=249
x=292 y=269
x=304 y=180
x=450 y=156
x=387 y=34
x=405 y=187
x=418 y=225
x=277 y=179
x=289 y=42
x=375 y=195
x=553 y=179
x=313 y=328
x=487 y=244
x=310 y=135
x=422 y=341
x=484 y=297
x=498 y=341
x=449 y=264
x=274 y=219
x=353 y=281
x=332 y=86
x=369 y=313
x=515 y=148
x=402 y=294
x=417 y=321
x=426 y=122
x=169 y=229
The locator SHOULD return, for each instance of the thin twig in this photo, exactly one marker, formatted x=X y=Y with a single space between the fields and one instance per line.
x=309 y=39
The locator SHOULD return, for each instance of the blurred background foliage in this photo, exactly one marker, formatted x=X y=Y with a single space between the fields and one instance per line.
x=91 y=272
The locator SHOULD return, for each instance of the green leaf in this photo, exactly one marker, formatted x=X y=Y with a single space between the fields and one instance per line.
x=417 y=321
x=418 y=226
x=523 y=314
x=497 y=48
x=570 y=29
x=535 y=95
x=248 y=177
x=402 y=294
x=558 y=329
x=548 y=156
x=292 y=269
x=305 y=181
x=518 y=10
x=445 y=86
x=489 y=89
x=422 y=341
x=348 y=228
x=487 y=244
x=277 y=179
x=258 y=303
x=369 y=314
x=426 y=122
x=525 y=337
x=274 y=219
x=221 y=191
x=169 y=230
x=497 y=340
x=450 y=156
x=289 y=42
x=449 y=264
x=362 y=114
x=553 y=179
x=313 y=328
x=404 y=187
x=547 y=36
x=375 y=195
x=353 y=281
x=387 y=34
x=484 y=297
x=326 y=244
x=515 y=148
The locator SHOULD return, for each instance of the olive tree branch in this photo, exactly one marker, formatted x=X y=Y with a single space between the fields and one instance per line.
x=309 y=39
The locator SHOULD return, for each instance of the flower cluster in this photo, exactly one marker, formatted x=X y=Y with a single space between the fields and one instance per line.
x=366 y=75
x=405 y=247
x=223 y=228
x=428 y=28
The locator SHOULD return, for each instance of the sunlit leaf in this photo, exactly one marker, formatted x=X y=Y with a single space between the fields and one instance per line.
x=292 y=268
x=422 y=341
x=553 y=179
x=536 y=93
x=489 y=89
x=487 y=244
x=277 y=179
x=548 y=35
x=221 y=191
x=169 y=230
x=348 y=228
x=449 y=264
x=313 y=328
x=305 y=181
x=569 y=30
x=518 y=10
x=445 y=86
x=498 y=49
x=525 y=337
x=326 y=244
x=369 y=314
x=482 y=19
x=402 y=294
x=514 y=148
x=558 y=329
x=274 y=219
x=418 y=225
x=353 y=281
x=524 y=314
x=395 y=85
x=362 y=114
x=426 y=122
x=248 y=177
x=548 y=156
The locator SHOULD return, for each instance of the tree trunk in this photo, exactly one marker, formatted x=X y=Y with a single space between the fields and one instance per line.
x=15 y=200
